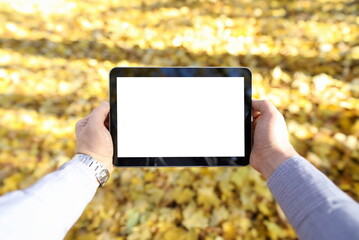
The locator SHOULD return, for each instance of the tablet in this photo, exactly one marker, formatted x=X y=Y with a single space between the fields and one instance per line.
x=180 y=116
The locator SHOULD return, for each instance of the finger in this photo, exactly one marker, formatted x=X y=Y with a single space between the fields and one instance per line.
x=100 y=113
x=82 y=122
x=255 y=121
x=85 y=119
x=107 y=122
x=263 y=106
x=255 y=114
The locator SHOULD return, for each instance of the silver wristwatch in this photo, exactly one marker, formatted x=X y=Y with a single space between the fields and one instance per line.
x=101 y=173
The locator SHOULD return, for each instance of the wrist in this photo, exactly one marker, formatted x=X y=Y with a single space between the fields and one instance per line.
x=98 y=169
x=106 y=161
x=275 y=159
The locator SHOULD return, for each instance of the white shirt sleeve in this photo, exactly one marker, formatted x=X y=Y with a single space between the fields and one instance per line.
x=49 y=208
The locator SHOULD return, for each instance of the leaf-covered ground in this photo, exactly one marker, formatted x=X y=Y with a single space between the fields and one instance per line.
x=54 y=62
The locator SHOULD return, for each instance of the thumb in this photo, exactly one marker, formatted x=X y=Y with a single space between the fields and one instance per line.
x=100 y=113
x=265 y=107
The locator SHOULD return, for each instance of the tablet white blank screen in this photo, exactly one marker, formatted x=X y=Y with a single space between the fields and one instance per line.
x=180 y=116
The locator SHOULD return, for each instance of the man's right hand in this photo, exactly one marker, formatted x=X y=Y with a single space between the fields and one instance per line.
x=271 y=146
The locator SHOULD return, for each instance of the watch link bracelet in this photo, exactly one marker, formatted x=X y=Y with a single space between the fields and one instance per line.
x=100 y=171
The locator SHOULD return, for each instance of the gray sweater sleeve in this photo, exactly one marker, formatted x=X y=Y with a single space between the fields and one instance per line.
x=314 y=205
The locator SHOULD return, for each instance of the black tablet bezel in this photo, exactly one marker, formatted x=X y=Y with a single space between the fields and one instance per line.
x=180 y=72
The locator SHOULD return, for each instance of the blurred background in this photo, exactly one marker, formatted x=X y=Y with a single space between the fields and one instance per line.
x=55 y=57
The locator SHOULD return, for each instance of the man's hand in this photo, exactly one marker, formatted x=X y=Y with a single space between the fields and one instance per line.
x=93 y=137
x=271 y=146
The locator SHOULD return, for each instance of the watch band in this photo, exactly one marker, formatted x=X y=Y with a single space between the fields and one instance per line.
x=100 y=171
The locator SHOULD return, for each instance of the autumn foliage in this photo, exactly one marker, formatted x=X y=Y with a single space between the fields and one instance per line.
x=54 y=62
